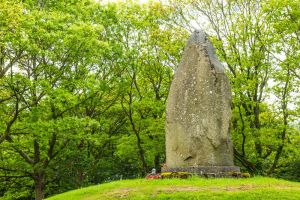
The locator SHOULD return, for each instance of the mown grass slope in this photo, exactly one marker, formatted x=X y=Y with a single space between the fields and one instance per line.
x=191 y=189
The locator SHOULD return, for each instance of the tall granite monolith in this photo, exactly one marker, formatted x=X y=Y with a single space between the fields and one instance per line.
x=199 y=112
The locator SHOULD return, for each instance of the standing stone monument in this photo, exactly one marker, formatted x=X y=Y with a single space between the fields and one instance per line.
x=199 y=112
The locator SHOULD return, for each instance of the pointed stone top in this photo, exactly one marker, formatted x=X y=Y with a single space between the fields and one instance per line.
x=198 y=37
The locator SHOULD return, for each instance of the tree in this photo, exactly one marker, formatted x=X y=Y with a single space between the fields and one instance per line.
x=43 y=86
x=284 y=18
x=149 y=56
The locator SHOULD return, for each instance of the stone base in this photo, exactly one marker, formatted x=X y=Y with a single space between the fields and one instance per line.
x=207 y=171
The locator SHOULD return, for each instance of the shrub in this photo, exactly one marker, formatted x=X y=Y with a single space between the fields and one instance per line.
x=183 y=175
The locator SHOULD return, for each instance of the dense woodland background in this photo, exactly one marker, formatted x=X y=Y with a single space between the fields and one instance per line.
x=83 y=87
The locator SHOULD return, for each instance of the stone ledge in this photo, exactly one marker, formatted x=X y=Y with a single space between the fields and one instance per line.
x=201 y=170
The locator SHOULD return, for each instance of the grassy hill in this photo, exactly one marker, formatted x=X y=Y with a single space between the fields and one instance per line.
x=191 y=189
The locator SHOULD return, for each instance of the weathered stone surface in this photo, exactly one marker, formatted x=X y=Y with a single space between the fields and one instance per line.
x=199 y=110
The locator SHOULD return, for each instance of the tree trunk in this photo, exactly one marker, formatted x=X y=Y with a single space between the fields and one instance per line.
x=250 y=166
x=157 y=162
x=39 y=186
x=139 y=141
x=141 y=153
x=284 y=107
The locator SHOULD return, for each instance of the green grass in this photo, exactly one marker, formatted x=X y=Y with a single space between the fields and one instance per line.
x=189 y=189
